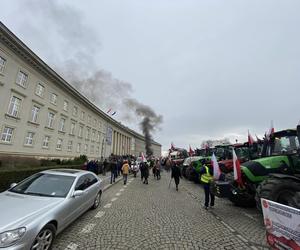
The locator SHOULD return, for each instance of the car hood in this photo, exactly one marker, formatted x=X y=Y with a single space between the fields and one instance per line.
x=17 y=210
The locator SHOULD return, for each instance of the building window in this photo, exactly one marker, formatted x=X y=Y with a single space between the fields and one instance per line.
x=70 y=145
x=73 y=126
x=93 y=135
x=92 y=149
x=98 y=137
x=62 y=124
x=29 y=139
x=53 y=98
x=46 y=141
x=50 y=121
x=75 y=111
x=82 y=115
x=40 y=90
x=34 y=114
x=100 y=125
x=7 y=134
x=80 y=133
x=22 y=79
x=95 y=122
x=97 y=150
x=85 y=148
x=89 y=119
x=66 y=105
x=59 y=144
x=14 y=106
x=78 y=148
x=2 y=64
x=87 y=134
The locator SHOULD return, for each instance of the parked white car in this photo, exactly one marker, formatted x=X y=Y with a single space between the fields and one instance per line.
x=34 y=211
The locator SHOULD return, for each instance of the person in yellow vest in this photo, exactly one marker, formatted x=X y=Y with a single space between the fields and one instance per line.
x=125 y=171
x=206 y=178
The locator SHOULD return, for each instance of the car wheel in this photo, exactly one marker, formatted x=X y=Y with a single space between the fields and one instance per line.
x=97 y=201
x=45 y=238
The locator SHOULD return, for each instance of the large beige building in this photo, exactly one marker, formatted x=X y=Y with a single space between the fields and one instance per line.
x=41 y=115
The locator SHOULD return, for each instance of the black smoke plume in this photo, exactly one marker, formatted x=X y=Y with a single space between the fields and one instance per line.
x=150 y=120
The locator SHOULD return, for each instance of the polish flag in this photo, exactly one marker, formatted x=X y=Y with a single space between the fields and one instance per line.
x=191 y=151
x=271 y=130
x=108 y=111
x=216 y=168
x=250 y=138
x=143 y=157
x=237 y=169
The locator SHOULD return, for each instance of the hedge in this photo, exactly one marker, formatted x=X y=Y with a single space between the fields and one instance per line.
x=10 y=176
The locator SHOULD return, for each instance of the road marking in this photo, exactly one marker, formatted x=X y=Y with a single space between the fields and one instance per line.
x=88 y=228
x=118 y=194
x=71 y=246
x=242 y=238
x=229 y=227
x=249 y=216
x=114 y=199
x=122 y=189
x=108 y=205
x=99 y=214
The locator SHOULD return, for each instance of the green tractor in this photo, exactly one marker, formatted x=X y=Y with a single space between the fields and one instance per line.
x=275 y=177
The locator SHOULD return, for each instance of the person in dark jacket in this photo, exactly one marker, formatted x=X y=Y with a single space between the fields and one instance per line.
x=113 y=171
x=176 y=174
x=105 y=166
x=145 y=172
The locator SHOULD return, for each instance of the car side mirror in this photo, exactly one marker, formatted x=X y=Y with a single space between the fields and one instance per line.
x=13 y=185
x=78 y=193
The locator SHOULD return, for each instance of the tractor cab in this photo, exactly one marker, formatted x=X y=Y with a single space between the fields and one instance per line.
x=284 y=142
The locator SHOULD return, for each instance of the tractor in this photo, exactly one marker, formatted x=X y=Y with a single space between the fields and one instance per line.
x=244 y=152
x=275 y=177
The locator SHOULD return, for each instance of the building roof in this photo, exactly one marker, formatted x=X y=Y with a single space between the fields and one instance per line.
x=14 y=43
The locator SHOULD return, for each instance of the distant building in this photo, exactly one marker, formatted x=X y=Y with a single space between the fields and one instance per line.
x=41 y=115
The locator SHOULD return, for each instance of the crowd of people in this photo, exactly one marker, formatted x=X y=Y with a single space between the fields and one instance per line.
x=123 y=165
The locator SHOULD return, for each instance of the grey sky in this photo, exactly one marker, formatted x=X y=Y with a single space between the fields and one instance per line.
x=211 y=68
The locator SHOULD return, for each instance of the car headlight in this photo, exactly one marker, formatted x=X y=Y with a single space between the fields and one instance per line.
x=8 y=238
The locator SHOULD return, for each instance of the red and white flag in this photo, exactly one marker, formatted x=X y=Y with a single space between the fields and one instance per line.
x=237 y=169
x=271 y=130
x=216 y=168
x=143 y=157
x=191 y=151
x=250 y=138
x=172 y=146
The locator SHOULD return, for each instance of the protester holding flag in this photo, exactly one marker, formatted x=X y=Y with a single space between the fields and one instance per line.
x=209 y=173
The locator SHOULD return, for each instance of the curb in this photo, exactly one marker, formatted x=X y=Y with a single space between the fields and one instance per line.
x=110 y=185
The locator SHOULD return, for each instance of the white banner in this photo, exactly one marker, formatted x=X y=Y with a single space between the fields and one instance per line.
x=282 y=225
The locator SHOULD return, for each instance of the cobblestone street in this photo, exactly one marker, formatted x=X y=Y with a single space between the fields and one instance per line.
x=138 y=216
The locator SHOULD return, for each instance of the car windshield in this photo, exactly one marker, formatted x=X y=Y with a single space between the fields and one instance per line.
x=42 y=184
x=241 y=152
x=287 y=144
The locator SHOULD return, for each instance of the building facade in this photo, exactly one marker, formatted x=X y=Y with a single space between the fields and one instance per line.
x=41 y=115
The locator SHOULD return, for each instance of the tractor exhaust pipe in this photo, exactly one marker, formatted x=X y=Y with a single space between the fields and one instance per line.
x=298 y=133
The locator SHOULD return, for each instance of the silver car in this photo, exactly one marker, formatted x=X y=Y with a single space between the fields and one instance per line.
x=34 y=211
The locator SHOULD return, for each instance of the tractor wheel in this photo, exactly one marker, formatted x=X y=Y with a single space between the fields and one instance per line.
x=282 y=190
